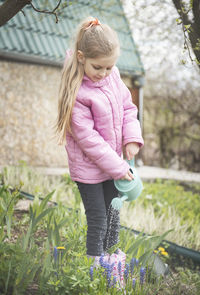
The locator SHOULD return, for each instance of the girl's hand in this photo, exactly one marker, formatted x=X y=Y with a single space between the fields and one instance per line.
x=131 y=149
x=128 y=176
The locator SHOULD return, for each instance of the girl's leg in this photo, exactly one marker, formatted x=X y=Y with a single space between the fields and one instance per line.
x=113 y=216
x=95 y=210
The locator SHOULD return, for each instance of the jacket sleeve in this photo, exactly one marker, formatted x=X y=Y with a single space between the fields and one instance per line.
x=131 y=125
x=93 y=144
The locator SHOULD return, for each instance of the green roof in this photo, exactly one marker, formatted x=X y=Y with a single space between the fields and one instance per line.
x=33 y=36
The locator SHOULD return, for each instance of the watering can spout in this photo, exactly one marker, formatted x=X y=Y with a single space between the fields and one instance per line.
x=117 y=203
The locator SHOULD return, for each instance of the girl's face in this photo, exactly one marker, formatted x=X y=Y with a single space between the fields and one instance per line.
x=100 y=67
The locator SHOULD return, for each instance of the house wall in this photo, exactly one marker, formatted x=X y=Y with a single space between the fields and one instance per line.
x=28 y=105
x=28 y=108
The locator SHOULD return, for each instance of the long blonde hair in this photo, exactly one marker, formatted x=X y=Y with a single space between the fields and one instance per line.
x=94 y=41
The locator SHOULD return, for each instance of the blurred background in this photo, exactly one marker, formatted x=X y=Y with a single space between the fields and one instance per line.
x=172 y=88
x=158 y=63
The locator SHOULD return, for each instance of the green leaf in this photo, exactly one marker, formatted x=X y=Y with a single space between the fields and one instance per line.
x=26 y=238
x=156 y=240
x=2 y=235
x=8 y=277
x=46 y=200
x=8 y=223
x=144 y=259
x=41 y=215
x=187 y=26
x=62 y=223
x=133 y=249
x=56 y=234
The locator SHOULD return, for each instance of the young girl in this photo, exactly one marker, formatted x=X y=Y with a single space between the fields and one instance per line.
x=97 y=118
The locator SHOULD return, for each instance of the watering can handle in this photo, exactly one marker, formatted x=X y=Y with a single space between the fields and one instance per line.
x=131 y=162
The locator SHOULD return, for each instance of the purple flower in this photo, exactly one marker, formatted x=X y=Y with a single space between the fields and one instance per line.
x=142 y=275
x=114 y=280
x=119 y=267
x=126 y=272
x=102 y=262
x=91 y=272
x=55 y=254
x=107 y=268
x=137 y=262
x=108 y=277
x=132 y=264
x=133 y=283
x=101 y=259
x=112 y=266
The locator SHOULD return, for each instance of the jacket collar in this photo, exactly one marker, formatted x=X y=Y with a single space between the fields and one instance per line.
x=91 y=83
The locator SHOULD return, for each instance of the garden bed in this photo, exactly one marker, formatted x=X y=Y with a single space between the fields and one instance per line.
x=28 y=239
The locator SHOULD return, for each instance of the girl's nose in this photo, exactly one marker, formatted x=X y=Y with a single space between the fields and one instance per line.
x=103 y=73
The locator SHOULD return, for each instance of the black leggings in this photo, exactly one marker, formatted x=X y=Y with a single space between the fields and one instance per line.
x=103 y=222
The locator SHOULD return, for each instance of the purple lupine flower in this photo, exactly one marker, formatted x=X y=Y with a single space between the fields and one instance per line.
x=142 y=274
x=136 y=262
x=91 y=272
x=133 y=283
x=132 y=264
x=55 y=254
x=119 y=267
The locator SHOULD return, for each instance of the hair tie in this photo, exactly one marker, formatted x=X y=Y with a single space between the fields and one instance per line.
x=92 y=23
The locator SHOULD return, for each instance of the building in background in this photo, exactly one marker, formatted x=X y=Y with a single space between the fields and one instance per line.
x=32 y=50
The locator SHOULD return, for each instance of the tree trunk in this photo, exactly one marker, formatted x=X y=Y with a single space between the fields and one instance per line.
x=10 y=8
x=194 y=30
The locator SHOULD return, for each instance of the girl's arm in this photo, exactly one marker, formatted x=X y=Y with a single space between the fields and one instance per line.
x=131 y=149
x=93 y=144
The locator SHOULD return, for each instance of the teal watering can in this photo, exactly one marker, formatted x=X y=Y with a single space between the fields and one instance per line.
x=128 y=190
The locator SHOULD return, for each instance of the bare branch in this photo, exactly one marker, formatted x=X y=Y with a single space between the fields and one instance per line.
x=47 y=11
x=186 y=42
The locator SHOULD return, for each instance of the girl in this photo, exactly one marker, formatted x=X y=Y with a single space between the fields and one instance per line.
x=97 y=118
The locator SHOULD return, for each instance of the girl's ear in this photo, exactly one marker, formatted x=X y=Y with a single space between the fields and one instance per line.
x=80 y=57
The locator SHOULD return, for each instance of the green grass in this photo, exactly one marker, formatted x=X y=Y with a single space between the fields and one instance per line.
x=165 y=205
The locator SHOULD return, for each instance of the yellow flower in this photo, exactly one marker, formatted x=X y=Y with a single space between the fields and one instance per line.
x=164 y=253
x=61 y=248
x=161 y=249
x=155 y=251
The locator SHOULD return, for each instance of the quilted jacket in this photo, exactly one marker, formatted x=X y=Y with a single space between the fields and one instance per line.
x=104 y=119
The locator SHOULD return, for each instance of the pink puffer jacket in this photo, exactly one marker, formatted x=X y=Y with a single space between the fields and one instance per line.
x=104 y=119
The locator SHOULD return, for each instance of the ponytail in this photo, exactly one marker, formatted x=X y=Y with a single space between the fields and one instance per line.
x=94 y=40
